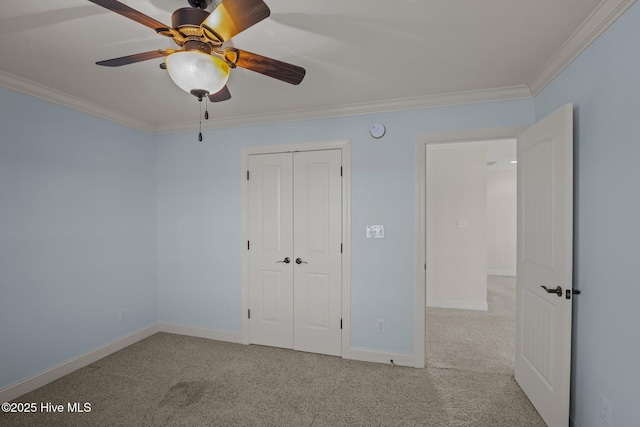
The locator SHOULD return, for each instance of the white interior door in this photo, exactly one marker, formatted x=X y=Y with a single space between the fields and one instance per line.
x=295 y=271
x=317 y=245
x=271 y=243
x=545 y=258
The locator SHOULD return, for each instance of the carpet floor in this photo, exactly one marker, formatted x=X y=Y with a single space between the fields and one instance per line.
x=173 y=380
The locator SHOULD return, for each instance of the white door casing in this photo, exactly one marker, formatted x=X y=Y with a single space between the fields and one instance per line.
x=317 y=244
x=270 y=280
x=545 y=258
x=295 y=212
x=420 y=256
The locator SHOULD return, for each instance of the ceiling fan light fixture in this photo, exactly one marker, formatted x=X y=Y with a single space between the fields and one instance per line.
x=195 y=70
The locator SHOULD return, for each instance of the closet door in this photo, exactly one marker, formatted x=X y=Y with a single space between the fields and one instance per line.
x=317 y=268
x=271 y=244
x=295 y=261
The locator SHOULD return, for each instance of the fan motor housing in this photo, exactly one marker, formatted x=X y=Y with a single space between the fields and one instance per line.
x=188 y=17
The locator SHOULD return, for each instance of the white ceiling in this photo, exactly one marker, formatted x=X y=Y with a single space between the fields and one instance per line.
x=359 y=55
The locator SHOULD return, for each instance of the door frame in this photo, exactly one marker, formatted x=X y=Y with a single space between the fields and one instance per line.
x=344 y=145
x=420 y=226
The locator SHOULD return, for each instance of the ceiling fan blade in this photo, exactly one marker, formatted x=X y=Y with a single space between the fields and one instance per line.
x=288 y=73
x=138 y=57
x=222 y=95
x=231 y=17
x=124 y=10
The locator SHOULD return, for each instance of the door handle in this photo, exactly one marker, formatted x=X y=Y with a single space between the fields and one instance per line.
x=557 y=290
x=287 y=260
x=300 y=261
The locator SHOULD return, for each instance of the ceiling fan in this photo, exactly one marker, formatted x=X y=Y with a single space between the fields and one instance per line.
x=201 y=64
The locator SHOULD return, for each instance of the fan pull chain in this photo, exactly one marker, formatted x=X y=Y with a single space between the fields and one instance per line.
x=200 y=133
x=206 y=108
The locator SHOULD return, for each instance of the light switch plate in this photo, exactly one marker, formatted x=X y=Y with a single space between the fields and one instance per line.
x=375 y=231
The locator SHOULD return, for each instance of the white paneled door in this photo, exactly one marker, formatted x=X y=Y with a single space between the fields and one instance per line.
x=295 y=262
x=545 y=259
x=270 y=245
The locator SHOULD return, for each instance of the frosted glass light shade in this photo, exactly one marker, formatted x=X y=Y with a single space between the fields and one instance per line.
x=197 y=70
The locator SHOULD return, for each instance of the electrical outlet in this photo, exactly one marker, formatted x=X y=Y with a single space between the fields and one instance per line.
x=123 y=314
x=605 y=410
x=501 y=259
x=380 y=323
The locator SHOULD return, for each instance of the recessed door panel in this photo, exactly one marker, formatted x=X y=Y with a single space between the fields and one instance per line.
x=317 y=207
x=538 y=204
x=317 y=302
x=270 y=207
x=538 y=324
x=271 y=307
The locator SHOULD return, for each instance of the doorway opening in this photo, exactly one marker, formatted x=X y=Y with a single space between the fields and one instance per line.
x=420 y=262
x=471 y=201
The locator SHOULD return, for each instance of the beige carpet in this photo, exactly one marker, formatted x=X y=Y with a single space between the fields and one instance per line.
x=171 y=380
x=479 y=341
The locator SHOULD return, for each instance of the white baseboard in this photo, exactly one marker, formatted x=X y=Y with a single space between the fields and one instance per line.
x=501 y=273
x=360 y=354
x=45 y=377
x=368 y=355
x=212 y=334
x=462 y=305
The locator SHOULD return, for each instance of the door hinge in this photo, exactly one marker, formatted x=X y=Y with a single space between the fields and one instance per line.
x=247 y=175
x=341 y=323
x=248 y=245
x=340 y=247
x=340 y=170
x=249 y=313
x=425 y=266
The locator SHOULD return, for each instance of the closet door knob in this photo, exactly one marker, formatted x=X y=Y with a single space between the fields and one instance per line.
x=287 y=260
x=300 y=261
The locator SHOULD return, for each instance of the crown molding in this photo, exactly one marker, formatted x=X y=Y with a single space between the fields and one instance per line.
x=454 y=98
x=18 y=84
x=603 y=16
x=36 y=90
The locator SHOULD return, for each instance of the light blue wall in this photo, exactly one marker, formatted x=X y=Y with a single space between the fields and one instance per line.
x=77 y=234
x=604 y=85
x=199 y=214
